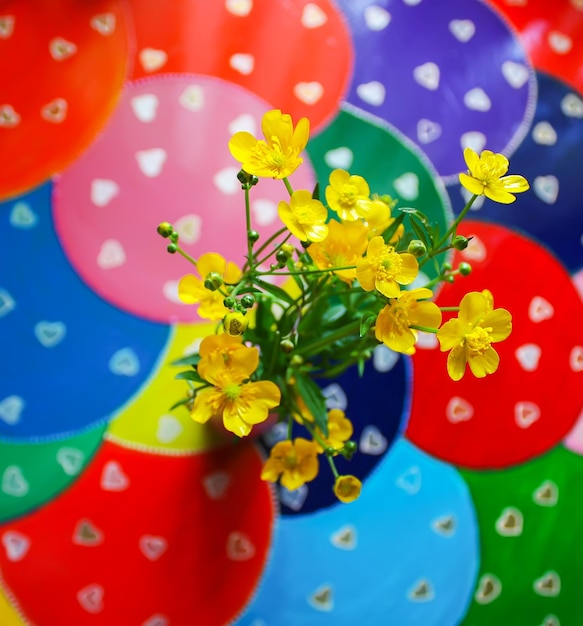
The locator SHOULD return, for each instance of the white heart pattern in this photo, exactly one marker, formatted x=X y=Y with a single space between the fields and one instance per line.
x=462 y=30
x=244 y=122
x=55 y=111
x=427 y=75
x=344 y=538
x=458 y=410
x=22 y=216
x=313 y=16
x=428 y=131
x=540 y=310
x=410 y=481
x=372 y=441
x=335 y=397
x=50 y=334
x=11 y=408
x=384 y=359
x=188 y=228
x=113 y=477
x=111 y=255
x=124 y=362
x=515 y=74
x=61 y=49
x=8 y=116
x=242 y=63
x=239 y=547
x=153 y=547
x=476 y=250
x=152 y=59
x=572 y=105
x=576 y=359
x=145 y=107
x=104 y=23
x=477 y=100
x=225 y=180
x=293 y=499
x=91 y=598
x=103 y=191
x=372 y=93
x=14 y=483
x=264 y=211
x=559 y=42
x=526 y=414
x=473 y=139
x=16 y=545
x=6 y=26
x=7 y=303
x=546 y=188
x=216 y=485
x=407 y=186
x=71 y=460
x=169 y=429
x=157 y=620
x=544 y=134
x=528 y=355
x=240 y=8
x=339 y=158
x=192 y=98
x=309 y=92
x=510 y=523
x=151 y=161
x=376 y=18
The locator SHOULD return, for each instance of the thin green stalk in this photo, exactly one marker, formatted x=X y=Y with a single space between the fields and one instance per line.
x=288 y=186
x=317 y=345
x=424 y=329
x=186 y=255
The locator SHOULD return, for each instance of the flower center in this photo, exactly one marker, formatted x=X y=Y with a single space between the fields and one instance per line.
x=400 y=315
x=349 y=196
x=478 y=341
x=232 y=391
x=290 y=462
x=388 y=264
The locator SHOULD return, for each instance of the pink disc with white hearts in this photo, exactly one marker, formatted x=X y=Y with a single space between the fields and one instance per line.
x=534 y=399
x=164 y=157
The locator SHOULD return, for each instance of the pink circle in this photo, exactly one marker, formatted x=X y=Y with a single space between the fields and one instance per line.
x=164 y=157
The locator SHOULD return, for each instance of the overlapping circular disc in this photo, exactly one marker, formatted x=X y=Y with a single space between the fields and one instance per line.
x=369 y=561
x=441 y=93
x=550 y=34
x=353 y=142
x=529 y=518
x=164 y=157
x=551 y=210
x=47 y=118
x=282 y=51
x=69 y=358
x=177 y=551
x=534 y=398
x=377 y=422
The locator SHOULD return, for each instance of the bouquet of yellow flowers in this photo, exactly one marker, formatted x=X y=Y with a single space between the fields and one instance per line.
x=338 y=278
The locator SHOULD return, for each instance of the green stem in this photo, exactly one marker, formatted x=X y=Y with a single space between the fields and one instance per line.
x=333 y=467
x=274 y=236
x=317 y=345
x=318 y=271
x=449 y=308
x=248 y=227
x=288 y=186
x=424 y=329
x=257 y=263
x=186 y=255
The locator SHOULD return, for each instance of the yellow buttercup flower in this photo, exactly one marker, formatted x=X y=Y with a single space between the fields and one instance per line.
x=348 y=195
x=470 y=335
x=232 y=398
x=378 y=219
x=340 y=430
x=485 y=177
x=384 y=269
x=279 y=155
x=220 y=344
x=347 y=488
x=304 y=216
x=343 y=247
x=214 y=270
x=394 y=321
x=295 y=462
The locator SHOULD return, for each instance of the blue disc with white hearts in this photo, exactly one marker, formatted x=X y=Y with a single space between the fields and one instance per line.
x=551 y=210
x=69 y=359
x=405 y=553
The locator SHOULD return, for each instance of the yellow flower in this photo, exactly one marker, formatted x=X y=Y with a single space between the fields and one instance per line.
x=295 y=462
x=220 y=344
x=378 y=219
x=279 y=155
x=348 y=195
x=235 y=323
x=347 y=488
x=340 y=430
x=343 y=247
x=239 y=403
x=192 y=290
x=384 y=269
x=470 y=335
x=304 y=216
x=485 y=177
x=394 y=321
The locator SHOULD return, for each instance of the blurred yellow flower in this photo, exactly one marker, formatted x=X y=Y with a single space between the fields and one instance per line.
x=345 y=244
x=348 y=195
x=394 y=321
x=279 y=155
x=214 y=270
x=470 y=335
x=347 y=488
x=378 y=219
x=384 y=269
x=295 y=462
x=304 y=216
x=485 y=177
x=232 y=398
x=340 y=430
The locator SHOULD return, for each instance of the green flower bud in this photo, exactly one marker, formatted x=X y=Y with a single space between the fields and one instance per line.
x=235 y=323
x=286 y=345
x=351 y=446
x=165 y=229
x=174 y=237
x=247 y=301
x=446 y=267
x=330 y=451
x=229 y=302
x=465 y=269
x=247 y=180
x=252 y=235
x=450 y=278
x=460 y=242
x=172 y=247
x=213 y=281
x=417 y=248
x=281 y=256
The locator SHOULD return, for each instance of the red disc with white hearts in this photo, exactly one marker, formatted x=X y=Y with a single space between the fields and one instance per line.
x=281 y=50
x=534 y=398
x=46 y=118
x=144 y=539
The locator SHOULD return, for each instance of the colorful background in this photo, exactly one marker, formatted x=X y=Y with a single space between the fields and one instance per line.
x=116 y=510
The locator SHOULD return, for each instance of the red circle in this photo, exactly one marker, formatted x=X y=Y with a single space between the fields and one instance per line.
x=534 y=398
x=144 y=539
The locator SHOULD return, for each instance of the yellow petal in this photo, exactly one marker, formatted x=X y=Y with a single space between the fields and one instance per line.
x=277 y=124
x=318 y=232
x=337 y=179
x=389 y=288
x=189 y=289
x=483 y=364
x=456 y=363
x=449 y=335
x=409 y=269
x=472 y=308
x=500 y=322
x=515 y=184
x=471 y=184
x=471 y=158
x=426 y=314
x=301 y=134
x=498 y=194
x=211 y=262
x=244 y=361
x=365 y=276
x=203 y=402
x=241 y=145
x=234 y=424
x=347 y=488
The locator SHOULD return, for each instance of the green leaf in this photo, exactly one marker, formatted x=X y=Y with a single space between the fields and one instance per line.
x=392 y=229
x=180 y=403
x=316 y=192
x=367 y=322
x=311 y=394
x=420 y=231
x=191 y=359
x=275 y=291
x=189 y=375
